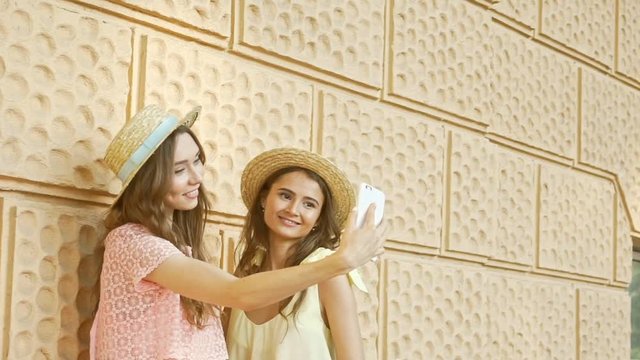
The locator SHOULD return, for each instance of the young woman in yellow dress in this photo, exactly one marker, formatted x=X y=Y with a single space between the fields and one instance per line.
x=298 y=201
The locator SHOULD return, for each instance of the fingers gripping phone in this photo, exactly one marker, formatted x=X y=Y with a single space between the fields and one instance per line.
x=368 y=194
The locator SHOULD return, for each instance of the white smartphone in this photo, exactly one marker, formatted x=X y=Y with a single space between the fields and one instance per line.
x=368 y=194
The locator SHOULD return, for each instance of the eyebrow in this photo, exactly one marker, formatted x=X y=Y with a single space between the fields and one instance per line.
x=306 y=197
x=182 y=162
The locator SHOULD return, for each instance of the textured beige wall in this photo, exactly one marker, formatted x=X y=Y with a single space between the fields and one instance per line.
x=505 y=133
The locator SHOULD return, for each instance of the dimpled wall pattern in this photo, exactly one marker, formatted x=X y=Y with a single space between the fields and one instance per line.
x=533 y=102
x=212 y=16
x=609 y=131
x=588 y=26
x=343 y=37
x=529 y=319
x=473 y=215
x=434 y=312
x=524 y=11
x=63 y=88
x=623 y=252
x=357 y=136
x=505 y=134
x=576 y=231
x=433 y=44
x=603 y=317
x=515 y=219
x=55 y=265
x=629 y=51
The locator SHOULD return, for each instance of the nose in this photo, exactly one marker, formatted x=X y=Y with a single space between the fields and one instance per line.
x=196 y=175
x=292 y=207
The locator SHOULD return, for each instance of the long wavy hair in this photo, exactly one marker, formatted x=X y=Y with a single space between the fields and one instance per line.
x=142 y=203
x=254 y=240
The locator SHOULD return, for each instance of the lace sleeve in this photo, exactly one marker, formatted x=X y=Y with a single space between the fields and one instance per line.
x=139 y=253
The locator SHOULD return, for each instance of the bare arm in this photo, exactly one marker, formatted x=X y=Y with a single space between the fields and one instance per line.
x=340 y=308
x=202 y=281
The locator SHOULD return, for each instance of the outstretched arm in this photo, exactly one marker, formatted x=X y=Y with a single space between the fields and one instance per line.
x=202 y=281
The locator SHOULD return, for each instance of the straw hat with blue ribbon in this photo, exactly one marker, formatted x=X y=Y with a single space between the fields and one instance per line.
x=139 y=138
x=262 y=166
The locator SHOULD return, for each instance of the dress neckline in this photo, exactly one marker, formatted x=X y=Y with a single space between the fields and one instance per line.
x=285 y=310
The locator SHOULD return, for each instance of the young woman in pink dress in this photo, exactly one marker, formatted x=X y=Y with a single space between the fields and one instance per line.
x=159 y=298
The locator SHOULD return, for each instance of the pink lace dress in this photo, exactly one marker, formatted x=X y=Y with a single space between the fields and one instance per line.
x=138 y=319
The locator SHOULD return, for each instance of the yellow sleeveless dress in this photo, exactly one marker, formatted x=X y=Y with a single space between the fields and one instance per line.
x=304 y=336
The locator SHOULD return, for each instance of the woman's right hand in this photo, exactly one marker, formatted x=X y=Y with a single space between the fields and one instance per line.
x=359 y=245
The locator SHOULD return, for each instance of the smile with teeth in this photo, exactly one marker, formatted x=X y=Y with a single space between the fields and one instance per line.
x=289 y=221
x=192 y=194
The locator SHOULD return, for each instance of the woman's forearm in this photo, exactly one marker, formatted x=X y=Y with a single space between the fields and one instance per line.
x=205 y=282
x=261 y=289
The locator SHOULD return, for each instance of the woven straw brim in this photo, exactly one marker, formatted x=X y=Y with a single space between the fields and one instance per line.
x=265 y=164
x=134 y=133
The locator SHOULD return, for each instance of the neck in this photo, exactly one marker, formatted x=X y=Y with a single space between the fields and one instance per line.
x=279 y=251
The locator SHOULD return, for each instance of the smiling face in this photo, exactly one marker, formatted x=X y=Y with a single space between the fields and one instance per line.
x=187 y=175
x=292 y=206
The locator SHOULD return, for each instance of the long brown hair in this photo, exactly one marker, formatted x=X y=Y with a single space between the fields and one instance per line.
x=142 y=203
x=255 y=240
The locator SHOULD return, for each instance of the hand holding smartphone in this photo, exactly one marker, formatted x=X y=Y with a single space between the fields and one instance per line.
x=368 y=194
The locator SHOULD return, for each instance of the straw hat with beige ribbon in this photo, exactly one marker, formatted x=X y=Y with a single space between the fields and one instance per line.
x=139 y=138
x=270 y=161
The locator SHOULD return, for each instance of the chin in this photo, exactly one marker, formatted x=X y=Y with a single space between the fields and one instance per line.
x=289 y=236
x=192 y=207
x=188 y=207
